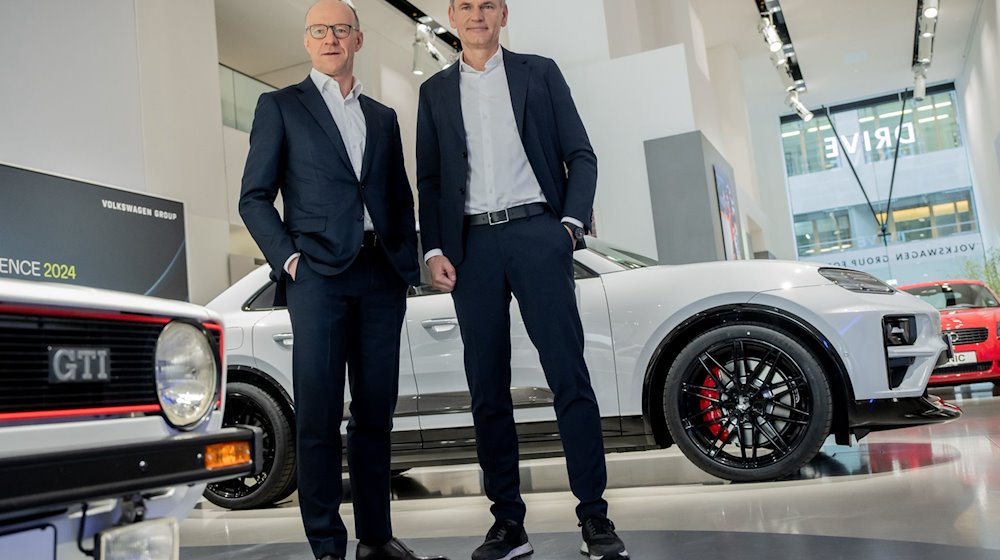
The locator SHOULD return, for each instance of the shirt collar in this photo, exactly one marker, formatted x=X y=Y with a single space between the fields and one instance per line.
x=491 y=63
x=324 y=82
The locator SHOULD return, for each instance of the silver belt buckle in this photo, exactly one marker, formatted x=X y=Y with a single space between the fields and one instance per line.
x=506 y=217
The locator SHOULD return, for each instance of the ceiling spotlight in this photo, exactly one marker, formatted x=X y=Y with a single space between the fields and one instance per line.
x=770 y=33
x=779 y=58
x=930 y=9
x=428 y=57
x=925 y=47
x=927 y=26
x=793 y=101
x=919 y=83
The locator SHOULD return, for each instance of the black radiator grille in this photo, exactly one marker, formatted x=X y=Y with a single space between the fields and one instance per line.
x=24 y=363
x=968 y=336
x=964 y=368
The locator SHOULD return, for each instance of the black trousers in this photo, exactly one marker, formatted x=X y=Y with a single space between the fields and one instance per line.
x=532 y=259
x=352 y=319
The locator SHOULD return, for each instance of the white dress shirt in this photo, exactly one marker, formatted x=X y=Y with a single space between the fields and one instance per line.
x=350 y=119
x=500 y=175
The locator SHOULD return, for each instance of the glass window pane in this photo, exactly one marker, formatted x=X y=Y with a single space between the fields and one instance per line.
x=228 y=96
x=247 y=92
x=903 y=219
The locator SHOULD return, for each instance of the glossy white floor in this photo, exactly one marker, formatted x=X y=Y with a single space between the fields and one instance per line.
x=912 y=493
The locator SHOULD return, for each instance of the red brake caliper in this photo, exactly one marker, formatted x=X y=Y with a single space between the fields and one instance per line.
x=715 y=414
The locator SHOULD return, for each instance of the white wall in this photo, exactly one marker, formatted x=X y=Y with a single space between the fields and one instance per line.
x=639 y=71
x=735 y=144
x=123 y=101
x=764 y=101
x=71 y=106
x=979 y=91
x=622 y=105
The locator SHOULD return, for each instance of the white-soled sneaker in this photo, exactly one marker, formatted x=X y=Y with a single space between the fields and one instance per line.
x=600 y=542
x=506 y=540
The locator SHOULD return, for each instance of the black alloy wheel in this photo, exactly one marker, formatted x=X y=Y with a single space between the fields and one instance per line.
x=747 y=402
x=247 y=405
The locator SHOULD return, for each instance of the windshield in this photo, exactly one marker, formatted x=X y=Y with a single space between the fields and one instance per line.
x=955 y=296
x=619 y=256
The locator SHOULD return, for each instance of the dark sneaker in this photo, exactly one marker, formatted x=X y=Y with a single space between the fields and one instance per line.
x=600 y=541
x=506 y=540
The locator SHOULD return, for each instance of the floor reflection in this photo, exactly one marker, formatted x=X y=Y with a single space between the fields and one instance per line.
x=929 y=484
x=874 y=455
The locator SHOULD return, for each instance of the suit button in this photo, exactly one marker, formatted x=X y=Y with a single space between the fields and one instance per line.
x=461 y=191
x=362 y=185
x=465 y=155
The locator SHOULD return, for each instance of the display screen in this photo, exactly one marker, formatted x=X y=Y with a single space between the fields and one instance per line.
x=54 y=229
x=732 y=235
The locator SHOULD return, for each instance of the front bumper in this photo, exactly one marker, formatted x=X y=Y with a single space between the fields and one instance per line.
x=73 y=475
x=888 y=414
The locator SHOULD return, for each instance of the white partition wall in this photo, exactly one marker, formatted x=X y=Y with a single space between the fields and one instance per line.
x=639 y=71
x=125 y=94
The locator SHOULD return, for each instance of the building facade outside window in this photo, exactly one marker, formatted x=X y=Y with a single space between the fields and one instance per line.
x=922 y=226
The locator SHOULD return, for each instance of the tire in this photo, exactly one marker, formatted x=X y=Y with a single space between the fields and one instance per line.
x=247 y=404
x=781 y=403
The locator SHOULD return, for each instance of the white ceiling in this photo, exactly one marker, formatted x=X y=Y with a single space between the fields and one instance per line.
x=848 y=49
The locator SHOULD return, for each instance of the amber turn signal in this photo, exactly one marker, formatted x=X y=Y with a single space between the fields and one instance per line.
x=227 y=454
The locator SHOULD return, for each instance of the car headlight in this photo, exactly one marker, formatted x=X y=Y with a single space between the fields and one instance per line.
x=856 y=281
x=186 y=378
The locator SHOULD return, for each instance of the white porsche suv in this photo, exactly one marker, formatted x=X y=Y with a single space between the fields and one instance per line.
x=747 y=366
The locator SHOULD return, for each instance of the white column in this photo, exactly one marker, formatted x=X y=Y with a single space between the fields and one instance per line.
x=182 y=132
x=638 y=96
x=978 y=90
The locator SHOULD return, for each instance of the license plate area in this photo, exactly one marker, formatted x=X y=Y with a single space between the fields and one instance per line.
x=39 y=543
x=158 y=539
x=960 y=359
x=74 y=364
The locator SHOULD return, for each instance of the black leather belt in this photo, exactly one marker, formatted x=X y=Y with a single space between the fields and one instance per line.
x=507 y=215
x=369 y=240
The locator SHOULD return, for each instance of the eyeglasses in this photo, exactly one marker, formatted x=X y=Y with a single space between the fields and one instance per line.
x=340 y=30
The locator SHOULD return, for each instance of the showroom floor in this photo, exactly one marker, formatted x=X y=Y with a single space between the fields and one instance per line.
x=915 y=493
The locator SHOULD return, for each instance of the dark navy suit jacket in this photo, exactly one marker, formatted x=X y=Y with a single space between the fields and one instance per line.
x=297 y=150
x=553 y=135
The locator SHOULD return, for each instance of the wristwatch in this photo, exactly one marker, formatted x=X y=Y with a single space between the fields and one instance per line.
x=576 y=230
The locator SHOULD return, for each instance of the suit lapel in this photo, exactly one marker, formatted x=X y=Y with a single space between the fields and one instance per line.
x=518 y=76
x=313 y=100
x=451 y=100
x=372 y=126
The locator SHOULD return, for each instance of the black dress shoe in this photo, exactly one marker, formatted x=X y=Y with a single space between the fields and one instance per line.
x=392 y=550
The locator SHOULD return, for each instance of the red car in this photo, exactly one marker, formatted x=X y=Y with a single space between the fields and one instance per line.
x=970 y=313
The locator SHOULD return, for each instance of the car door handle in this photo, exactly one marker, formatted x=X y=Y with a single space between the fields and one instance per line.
x=440 y=325
x=284 y=339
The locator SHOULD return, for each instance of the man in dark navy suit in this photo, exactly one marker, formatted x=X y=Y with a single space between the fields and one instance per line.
x=506 y=177
x=343 y=255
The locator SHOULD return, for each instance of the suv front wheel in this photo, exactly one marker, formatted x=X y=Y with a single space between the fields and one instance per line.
x=747 y=402
x=248 y=405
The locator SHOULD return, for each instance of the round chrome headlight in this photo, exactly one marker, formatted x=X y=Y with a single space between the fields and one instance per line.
x=186 y=379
